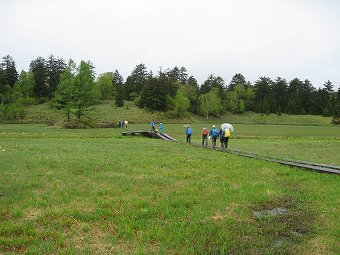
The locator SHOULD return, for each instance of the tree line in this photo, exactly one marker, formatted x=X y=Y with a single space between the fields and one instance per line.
x=73 y=88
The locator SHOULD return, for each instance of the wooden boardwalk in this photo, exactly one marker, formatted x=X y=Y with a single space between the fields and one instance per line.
x=293 y=163
x=150 y=134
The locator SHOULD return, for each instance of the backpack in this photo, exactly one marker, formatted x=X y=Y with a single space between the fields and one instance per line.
x=226 y=132
x=189 y=131
x=215 y=132
x=205 y=132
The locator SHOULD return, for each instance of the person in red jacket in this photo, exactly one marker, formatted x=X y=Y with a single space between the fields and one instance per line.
x=205 y=133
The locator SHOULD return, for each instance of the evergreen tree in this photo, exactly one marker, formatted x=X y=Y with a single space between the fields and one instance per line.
x=295 y=103
x=280 y=91
x=170 y=86
x=117 y=80
x=193 y=82
x=213 y=82
x=236 y=80
x=263 y=92
x=136 y=81
x=328 y=86
x=305 y=95
x=39 y=69
x=329 y=100
x=154 y=95
x=10 y=74
x=54 y=68
x=2 y=84
x=8 y=77
x=320 y=98
x=177 y=74
x=336 y=111
x=119 y=95
x=64 y=96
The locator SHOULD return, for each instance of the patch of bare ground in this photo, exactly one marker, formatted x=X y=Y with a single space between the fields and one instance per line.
x=32 y=214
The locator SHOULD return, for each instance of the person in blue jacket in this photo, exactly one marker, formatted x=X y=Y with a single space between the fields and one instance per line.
x=214 y=135
x=160 y=127
x=188 y=133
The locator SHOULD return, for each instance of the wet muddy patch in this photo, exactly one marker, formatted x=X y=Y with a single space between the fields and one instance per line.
x=284 y=222
x=276 y=226
x=268 y=213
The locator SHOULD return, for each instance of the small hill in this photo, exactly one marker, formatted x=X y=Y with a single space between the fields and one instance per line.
x=107 y=111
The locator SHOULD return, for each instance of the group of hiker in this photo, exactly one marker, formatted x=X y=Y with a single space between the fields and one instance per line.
x=122 y=123
x=154 y=129
x=213 y=134
x=223 y=134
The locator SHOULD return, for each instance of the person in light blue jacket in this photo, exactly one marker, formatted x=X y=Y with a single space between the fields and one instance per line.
x=161 y=127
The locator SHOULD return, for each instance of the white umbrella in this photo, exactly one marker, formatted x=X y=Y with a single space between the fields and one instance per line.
x=227 y=125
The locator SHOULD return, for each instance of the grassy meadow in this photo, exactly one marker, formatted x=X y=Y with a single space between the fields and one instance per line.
x=96 y=192
x=106 y=111
x=319 y=144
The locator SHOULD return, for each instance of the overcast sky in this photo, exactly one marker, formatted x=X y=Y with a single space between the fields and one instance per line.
x=287 y=38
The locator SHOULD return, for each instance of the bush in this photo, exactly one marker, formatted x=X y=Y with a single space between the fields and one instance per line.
x=336 y=120
x=12 y=112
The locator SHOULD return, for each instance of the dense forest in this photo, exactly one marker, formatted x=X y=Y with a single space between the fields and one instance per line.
x=73 y=88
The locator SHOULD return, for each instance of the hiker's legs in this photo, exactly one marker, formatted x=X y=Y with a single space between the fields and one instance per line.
x=224 y=143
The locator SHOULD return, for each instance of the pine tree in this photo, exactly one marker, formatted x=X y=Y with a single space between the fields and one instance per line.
x=8 y=77
x=54 y=68
x=213 y=82
x=119 y=95
x=154 y=95
x=236 y=80
x=39 y=69
x=117 y=80
x=64 y=96
x=10 y=74
x=136 y=81
x=336 y=111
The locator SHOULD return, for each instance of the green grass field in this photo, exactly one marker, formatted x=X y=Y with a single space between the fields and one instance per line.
x=94 y=191
x=319 y=144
